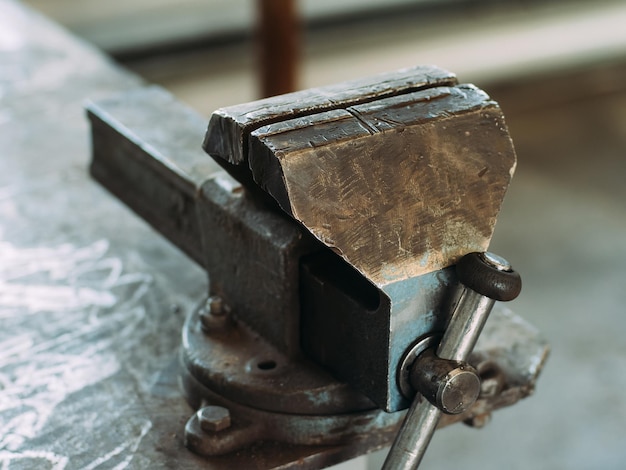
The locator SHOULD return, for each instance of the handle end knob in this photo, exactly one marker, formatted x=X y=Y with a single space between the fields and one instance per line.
x=489 y=275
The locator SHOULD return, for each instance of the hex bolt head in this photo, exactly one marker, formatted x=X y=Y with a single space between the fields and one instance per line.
x=215 y=306
x=214 y=314
x=213 y=418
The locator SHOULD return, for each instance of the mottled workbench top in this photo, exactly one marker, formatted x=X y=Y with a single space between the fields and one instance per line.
x=90 y=318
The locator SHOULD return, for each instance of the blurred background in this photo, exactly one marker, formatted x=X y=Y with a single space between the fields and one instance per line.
x=558 y=69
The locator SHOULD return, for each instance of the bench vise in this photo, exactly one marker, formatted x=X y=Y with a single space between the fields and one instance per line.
x=344 y=233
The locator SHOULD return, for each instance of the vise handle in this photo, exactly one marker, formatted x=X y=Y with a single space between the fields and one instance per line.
x=486 y=278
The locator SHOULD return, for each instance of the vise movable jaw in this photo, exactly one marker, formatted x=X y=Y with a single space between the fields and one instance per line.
x=331 y=241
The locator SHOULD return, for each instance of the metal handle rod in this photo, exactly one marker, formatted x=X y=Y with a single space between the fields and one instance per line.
x=420 y=422
x=465 y=326
x=485 y=278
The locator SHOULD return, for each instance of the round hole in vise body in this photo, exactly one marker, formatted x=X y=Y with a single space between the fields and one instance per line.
x=265 y=367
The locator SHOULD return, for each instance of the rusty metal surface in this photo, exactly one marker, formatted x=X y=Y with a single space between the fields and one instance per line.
x=232 y=360
x=282 y=401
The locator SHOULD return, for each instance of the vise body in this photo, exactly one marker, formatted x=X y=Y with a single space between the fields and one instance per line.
x=331 y=235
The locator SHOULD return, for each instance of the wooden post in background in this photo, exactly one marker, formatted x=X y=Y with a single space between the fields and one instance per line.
x=278 y=46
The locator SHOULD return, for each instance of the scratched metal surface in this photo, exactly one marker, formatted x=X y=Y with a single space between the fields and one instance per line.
x=91 y=299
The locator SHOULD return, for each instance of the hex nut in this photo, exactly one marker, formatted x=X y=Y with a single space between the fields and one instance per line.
x=213 y=418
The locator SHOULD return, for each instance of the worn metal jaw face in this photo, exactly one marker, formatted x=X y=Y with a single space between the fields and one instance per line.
x=330 y=241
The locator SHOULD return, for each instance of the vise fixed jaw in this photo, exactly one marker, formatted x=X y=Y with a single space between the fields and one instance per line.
x=330 y=231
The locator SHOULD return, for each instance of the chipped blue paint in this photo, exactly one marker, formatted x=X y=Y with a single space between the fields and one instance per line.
x=419 y=307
